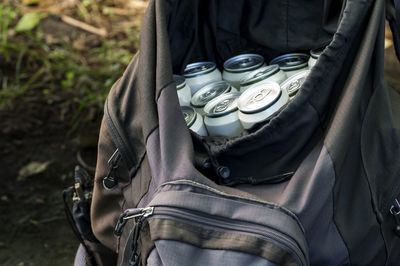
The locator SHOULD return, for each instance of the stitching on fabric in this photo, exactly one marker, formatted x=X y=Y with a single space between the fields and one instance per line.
x=162 y=88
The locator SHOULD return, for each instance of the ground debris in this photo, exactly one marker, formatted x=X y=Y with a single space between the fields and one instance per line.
x=31 y=169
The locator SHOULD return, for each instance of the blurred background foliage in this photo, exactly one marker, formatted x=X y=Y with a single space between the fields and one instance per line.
x=58 y=60
x=68 y=52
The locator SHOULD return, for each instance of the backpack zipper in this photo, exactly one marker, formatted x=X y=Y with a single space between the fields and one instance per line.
x=118 y=137
x=203 y=220
x=139 y=214
x=110 y=181
x=395 y=211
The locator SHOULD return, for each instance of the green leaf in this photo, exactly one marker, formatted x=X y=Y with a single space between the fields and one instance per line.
x=28 y=22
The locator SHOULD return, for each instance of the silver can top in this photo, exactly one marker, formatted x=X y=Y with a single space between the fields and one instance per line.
x=180 y=82
x=222 y=105
x=189 y=114
x=259 y=74
x=198 y=69
x=209 y=92
x=293 y=84
x=259 y=97
x=243 y=63
x=289 y=62
x=315 y=53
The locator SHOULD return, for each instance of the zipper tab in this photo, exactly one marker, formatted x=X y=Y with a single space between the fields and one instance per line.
x=111 y=179
x=139 y=213
x=395 y=211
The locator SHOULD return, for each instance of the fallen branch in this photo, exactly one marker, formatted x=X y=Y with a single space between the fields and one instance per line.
x=86 y=27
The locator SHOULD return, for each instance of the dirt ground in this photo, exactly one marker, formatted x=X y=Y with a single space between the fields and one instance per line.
x=33 y=228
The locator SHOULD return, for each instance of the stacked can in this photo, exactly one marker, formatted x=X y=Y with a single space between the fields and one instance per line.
x=194 y=121
x=239 y=66
x=183 y=90
x=314 y=55
x=263 y=74
x=200 y=74
x=221 y=117
x=293 y=84
x=209 y=92
x=291 y=63
x=260 y=102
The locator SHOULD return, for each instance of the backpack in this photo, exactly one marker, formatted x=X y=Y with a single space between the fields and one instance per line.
x=318 y=184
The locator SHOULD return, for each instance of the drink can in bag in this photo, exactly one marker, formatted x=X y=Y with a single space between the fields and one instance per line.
x=291 y=63
x=183 y=90
x=266 y=73
x=294 y=83
x=239 y=66
x=209 y=92
x=221 y=117
x=260 y=102
x=194 y=121
x=200 y=74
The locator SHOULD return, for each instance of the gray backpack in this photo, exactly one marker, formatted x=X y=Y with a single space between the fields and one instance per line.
x=318 y=184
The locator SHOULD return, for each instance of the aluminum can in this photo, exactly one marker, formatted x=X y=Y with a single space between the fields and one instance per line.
x=183 y=90
x=263 y=74
x=209 y=92
x=200 y=74
x=294 y=83
x=291 y=63
x=260 y=102
x=239 y=66
x=194 y=121
x=314 y=55
x=222 y=117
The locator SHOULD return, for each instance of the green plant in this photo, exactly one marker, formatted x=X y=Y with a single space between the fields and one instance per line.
x=73 y=77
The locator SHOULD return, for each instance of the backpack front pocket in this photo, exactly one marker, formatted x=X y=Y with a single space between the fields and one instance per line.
x=193 y=228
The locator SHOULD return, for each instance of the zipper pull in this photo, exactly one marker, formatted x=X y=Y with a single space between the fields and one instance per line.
x=395 y=211
x=111 y=179
x=135 y=257
x=139 y=213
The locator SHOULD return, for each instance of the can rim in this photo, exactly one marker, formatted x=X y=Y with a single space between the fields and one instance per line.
x=315 y=53
x=282 y=58
x=190 y=109
x=179 y=81
x=248 y=80
x=273 y=85
x=209 y=86
x=211 y=104
x=239 y=57
x=296 y=76
x=210 y=66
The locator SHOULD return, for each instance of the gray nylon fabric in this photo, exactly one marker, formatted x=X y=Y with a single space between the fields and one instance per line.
x=269 y=216
x=309 y=195
x=169 y=252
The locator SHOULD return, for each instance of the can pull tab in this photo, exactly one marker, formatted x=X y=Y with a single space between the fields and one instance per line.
x=395 y=211
x=111 y=179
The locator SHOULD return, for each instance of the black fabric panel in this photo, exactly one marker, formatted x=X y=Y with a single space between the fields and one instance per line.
x=394 y=97
x=363 y=145
x=217 y=30
x=272 y=150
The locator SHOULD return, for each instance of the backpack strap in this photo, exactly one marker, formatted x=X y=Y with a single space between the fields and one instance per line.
x=393 y=16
